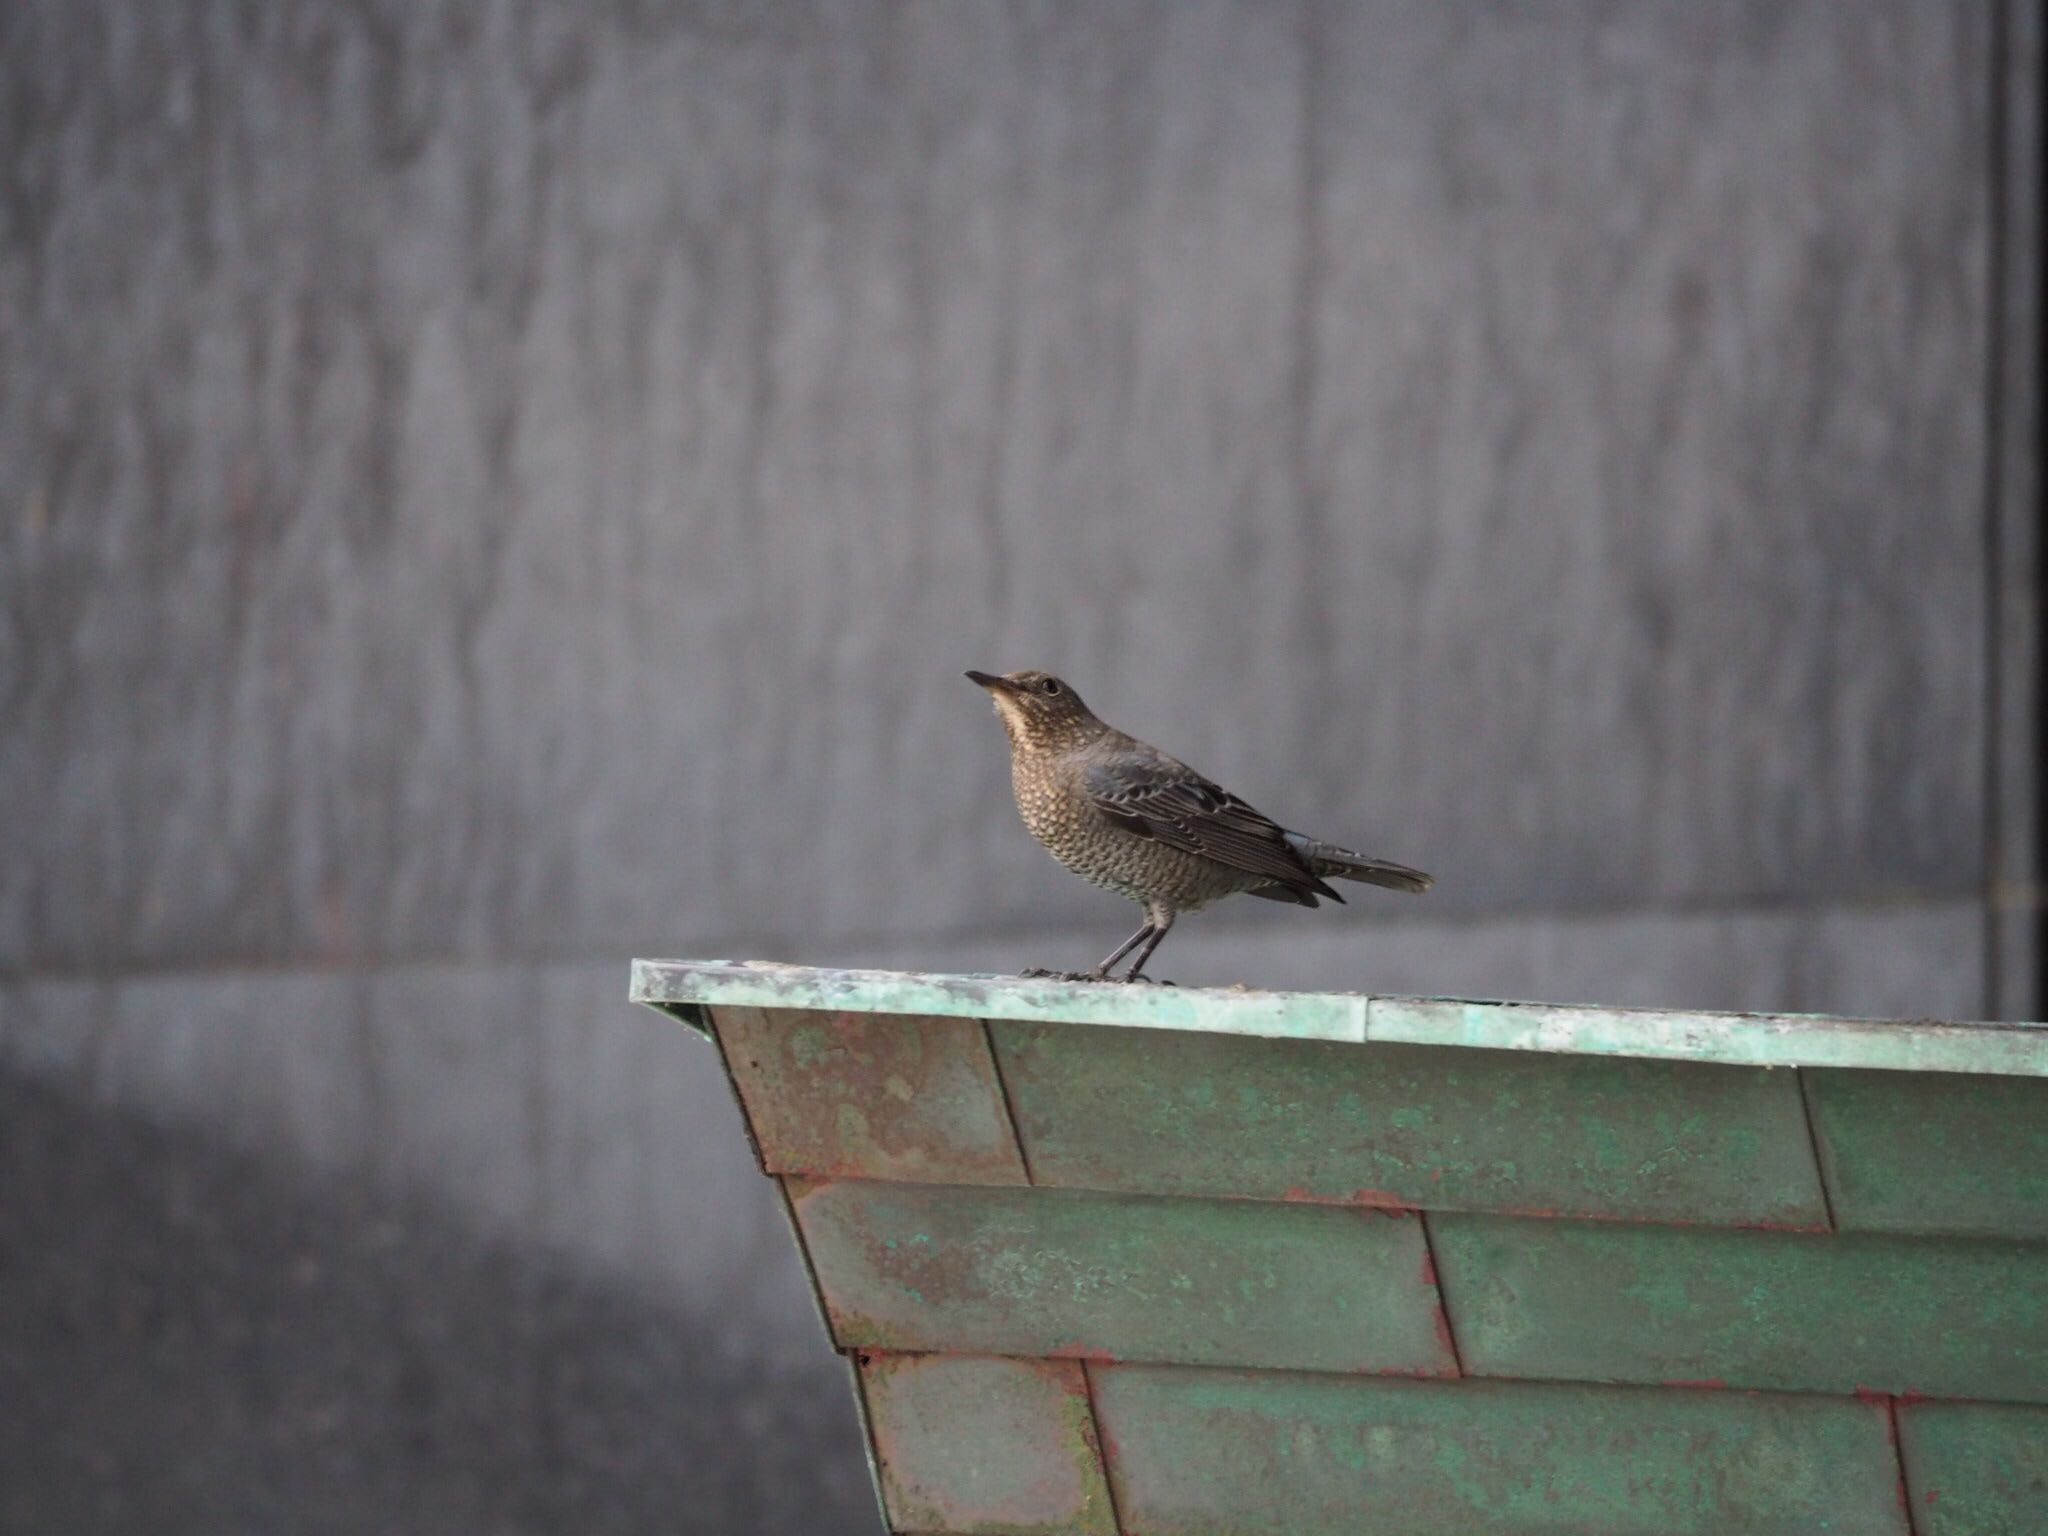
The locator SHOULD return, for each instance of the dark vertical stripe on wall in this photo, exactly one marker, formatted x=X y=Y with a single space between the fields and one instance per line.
x=2016 y=521
x=1996 y=725
x=2036 y=510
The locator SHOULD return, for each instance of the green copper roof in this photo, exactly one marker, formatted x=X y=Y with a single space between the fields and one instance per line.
x=1745 y=1039
x=1322 y=1263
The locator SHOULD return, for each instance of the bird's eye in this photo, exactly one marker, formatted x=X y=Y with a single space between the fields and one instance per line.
x=1050 y=687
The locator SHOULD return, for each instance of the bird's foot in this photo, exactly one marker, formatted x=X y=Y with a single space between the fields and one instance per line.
x=1039 y=973
x=1149 y=981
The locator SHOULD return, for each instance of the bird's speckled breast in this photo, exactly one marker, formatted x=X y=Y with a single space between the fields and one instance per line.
x=1057 y=811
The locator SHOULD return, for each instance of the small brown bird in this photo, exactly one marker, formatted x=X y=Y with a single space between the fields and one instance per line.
x=1125 y=816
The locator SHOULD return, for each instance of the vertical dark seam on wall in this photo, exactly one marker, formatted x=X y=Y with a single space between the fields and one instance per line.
x=2038 y=512
x=2017 y=368
x=1994 y=877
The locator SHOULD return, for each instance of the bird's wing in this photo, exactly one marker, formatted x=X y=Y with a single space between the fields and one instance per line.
x=1170 y=803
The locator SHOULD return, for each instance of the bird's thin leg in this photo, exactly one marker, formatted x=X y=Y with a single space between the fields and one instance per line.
x=1158 y=933
x=1125 y=948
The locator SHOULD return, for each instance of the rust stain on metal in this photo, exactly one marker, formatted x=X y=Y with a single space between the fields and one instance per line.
x=1446 y=1336
x=1085 y=1354
x=1442 y=1325
x=1371 y=1199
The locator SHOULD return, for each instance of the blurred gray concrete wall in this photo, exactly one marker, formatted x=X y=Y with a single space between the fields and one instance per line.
x=489 y=489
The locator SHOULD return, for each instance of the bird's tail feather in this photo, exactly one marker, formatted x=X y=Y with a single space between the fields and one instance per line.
x=1334 y=863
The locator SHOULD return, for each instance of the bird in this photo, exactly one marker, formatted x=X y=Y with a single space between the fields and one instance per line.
x=1123 y=815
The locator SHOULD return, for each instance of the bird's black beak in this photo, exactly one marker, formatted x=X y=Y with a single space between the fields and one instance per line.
x=991 y=682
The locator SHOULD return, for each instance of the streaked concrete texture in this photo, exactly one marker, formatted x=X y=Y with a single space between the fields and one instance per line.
x=518 y=481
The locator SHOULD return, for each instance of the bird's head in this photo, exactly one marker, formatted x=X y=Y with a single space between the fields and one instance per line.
x=1037 y=708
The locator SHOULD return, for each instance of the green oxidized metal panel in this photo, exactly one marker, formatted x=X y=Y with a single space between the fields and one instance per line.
x=1744 y=1039
x=1241 y=1010
x=870 y=1095
x=917 y=1213
x=1623 y=1302
x=985 y=1446
x=1409 y=1126
x=1062 y=1273
x=1204 y=1453
x=1737 y=1039
x=1976 y=1469
x=1934 y=1152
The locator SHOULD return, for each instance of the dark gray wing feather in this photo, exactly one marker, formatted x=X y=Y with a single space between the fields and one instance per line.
x=1288 y=893
x=1169 y=802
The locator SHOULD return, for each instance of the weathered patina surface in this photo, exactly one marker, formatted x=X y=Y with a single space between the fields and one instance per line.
x=869 y=1095
x=1064 y=1273
x=1741 y=1039
x=1613 y=1301
x=1201 y=1452
x=1407 y=1125
x=1266 y=1262
x=1934 y=1151
x=1976 y=1469
x=1744 y=1039
x=1233 y=1010
x=994 y=1446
